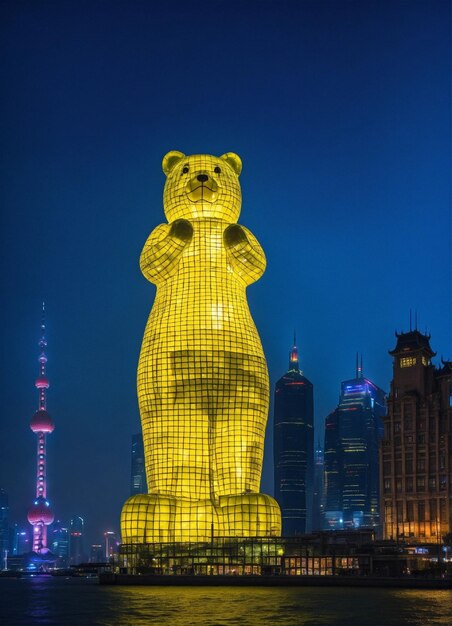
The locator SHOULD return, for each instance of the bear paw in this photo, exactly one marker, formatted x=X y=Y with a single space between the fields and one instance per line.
x=250 y=515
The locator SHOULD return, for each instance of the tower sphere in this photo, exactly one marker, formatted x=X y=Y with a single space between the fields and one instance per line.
x=42 y=382
x=40 y=512
x=41 y=422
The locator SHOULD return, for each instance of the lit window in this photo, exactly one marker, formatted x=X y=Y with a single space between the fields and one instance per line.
x=407 y=361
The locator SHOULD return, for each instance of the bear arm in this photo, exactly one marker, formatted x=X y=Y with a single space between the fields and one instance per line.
x=161 y=254
x=247 y=258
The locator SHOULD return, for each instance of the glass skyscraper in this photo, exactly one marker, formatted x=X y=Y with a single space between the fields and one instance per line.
x=76 y=553
x=352 y=435
x=293 y=446
x=138 y=482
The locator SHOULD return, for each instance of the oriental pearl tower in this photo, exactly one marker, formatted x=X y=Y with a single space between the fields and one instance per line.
x=40 y=514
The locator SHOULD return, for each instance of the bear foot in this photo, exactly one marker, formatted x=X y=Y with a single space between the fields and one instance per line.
x=154 y=518
x=250 y=515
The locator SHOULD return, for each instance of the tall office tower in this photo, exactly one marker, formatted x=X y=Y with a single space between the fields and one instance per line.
x=96 y=553
x=4 y=524
x=20 y=541
x=138 y=474
x=40 y=514
x=293 y=447
x=110 y=545
x=76 y=554
x=317 y=501
x=352 y=434
x=416 y=452
x=60 y=543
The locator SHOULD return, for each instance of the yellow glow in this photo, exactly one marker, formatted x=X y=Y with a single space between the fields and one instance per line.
x=407 y=361
x=203 y=385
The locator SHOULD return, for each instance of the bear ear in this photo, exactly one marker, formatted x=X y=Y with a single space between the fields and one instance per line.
x=234 y=161
x=170 y=160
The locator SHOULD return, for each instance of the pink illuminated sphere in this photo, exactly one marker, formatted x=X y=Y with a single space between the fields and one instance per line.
x=41 y=422
x=40 y=512
x=42 y=382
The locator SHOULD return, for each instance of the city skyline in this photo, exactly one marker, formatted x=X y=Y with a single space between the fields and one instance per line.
x=345 y=182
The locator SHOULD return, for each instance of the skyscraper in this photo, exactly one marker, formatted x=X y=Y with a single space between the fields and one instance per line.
x=138 y=482
x=76 y=554
x=20 y=541
x=4 y=525
x=317 y=500
x=352 y=434
x=40 y=514
x=416 y=451
x=60 y=543
x=293 y=446
x=110 y=545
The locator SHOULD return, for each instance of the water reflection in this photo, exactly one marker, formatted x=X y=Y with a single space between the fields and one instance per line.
x=286 y=607
x=80 y=602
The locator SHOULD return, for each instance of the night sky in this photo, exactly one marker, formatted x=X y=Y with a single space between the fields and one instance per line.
x=340 y=111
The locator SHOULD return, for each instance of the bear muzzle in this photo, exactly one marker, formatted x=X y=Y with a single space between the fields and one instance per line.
x=202 y=188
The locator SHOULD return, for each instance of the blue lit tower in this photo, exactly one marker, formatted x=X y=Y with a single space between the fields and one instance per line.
x=293 y=447
x=352 y=435
x=138 y=482
x=40 y=514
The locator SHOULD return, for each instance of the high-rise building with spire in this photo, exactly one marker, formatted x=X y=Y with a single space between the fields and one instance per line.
x=416 y=452
x=351 y=468
x=40 y=514
x=293 y=445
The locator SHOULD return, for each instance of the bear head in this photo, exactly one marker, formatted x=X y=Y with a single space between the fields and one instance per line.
x=202 y=186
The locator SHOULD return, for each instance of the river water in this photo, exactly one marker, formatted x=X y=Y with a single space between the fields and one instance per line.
x=82 y=602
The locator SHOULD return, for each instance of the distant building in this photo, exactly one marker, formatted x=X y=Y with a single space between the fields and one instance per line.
x=76 y=552
x=4 y=526
x=416 y=452
x=317 y=501
x=111 y=544
x=293 y=445
x=21 y=541
x=97 y=553
x=138 y=482
x=60 y=543
x=352 y=434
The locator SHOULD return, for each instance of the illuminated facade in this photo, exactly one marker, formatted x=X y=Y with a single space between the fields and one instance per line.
x=352 y=435
x=76 y=551
x=203 y=385
x=293 y=448
x=40 y=514
x=416 y=452
x=318 y=500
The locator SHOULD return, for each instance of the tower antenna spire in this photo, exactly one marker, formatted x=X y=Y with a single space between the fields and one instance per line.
x=293 y=355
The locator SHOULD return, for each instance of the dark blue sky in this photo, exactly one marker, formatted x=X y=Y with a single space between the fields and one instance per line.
x=340 y=111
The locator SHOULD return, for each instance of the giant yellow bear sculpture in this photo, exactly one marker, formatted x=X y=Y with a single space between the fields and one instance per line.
x=202 y=377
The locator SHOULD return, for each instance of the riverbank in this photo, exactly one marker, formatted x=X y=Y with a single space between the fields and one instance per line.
x=403 y=582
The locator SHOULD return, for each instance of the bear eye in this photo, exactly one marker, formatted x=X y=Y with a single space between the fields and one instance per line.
x=217 y=170
x=185 y=170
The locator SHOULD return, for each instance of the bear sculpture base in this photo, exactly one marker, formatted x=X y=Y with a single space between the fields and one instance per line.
x=153 y=518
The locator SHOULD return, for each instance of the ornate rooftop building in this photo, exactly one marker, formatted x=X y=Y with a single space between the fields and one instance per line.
x=416 y=451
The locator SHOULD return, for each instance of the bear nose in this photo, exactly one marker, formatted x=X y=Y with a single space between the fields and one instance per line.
x=202 y=178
